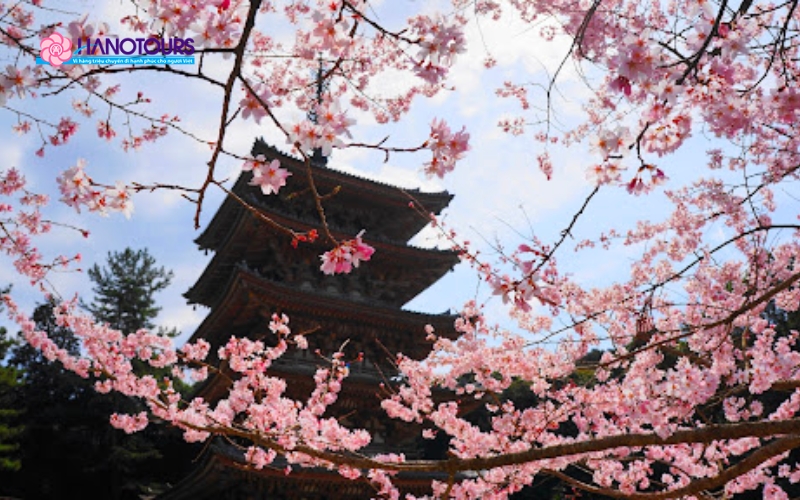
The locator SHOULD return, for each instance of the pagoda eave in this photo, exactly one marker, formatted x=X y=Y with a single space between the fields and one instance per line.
x=231 y=215
x=249 y=300
x=253 y=237
x=432 y=201
x=349 y=192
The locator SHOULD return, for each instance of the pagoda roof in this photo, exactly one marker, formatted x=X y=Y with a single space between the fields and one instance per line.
x=384 y=207
x=249 y=238
x=380 y=332
x=372 y=189
x=248 y=297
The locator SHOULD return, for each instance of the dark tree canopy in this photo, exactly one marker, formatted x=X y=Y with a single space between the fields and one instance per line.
x=66 y=448
x=57 y=449
x=10 y=413
x=124 y=289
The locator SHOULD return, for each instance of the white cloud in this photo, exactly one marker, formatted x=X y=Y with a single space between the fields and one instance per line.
x=12 y=155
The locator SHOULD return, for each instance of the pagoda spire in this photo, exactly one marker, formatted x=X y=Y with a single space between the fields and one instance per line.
x=321 y=86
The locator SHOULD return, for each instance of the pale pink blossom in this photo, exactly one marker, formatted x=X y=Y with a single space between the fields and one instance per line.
x=18 y=79
x=270 y=177
x=447 y=148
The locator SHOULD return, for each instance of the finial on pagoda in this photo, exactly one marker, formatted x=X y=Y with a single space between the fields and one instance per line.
x=317 y=157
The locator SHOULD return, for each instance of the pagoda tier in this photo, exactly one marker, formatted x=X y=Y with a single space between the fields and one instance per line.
x=361 y=204
x=376 y=332
x=394 y=276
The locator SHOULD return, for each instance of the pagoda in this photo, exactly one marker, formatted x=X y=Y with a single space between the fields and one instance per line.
x=256 y=271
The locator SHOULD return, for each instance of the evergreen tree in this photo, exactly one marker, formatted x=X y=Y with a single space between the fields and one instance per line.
x=124 y=290
x=11 y=414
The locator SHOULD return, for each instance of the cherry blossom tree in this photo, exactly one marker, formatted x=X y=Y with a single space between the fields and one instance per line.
x=675 y=405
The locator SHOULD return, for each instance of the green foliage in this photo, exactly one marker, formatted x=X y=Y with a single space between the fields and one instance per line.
x=10 y=412
x=124 y=290
x=55 y=445
x=124 y=298
x=67 y=448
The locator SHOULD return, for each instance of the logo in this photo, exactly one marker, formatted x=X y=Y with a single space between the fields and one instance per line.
x=57 y=50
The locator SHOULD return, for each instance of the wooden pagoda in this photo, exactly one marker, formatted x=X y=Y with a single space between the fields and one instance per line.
x=256 y=272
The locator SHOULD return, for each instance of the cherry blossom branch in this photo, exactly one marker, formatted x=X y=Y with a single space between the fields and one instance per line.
x=695 y=60
x=110 y=70
x=386 y=150
x=235 y=73
x=728 y=320
x=566 y=232
x=697 y=486
x=318 y=201
x=708 y=434
x=256 y=212
x=361 y=16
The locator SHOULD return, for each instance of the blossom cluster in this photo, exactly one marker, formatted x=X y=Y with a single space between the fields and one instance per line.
x=325 y=132
x=715 y=77
x=79 y=190
x=330 y=31
x=441 y=42
x=21 y=224
x=447 y=148
x=346 y=256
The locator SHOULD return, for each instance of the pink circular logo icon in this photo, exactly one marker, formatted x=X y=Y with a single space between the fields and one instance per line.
x=55 y=49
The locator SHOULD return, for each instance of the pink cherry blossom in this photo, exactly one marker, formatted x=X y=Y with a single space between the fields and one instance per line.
x=447 y=148
x=105 y=130
x=269 y=177
x=81 y=30
x=346 y=256
x=18 y=79
x=254 y=107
